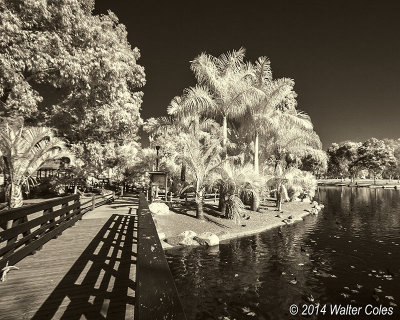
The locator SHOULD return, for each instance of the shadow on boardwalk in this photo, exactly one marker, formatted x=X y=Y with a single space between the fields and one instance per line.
x=100 y=283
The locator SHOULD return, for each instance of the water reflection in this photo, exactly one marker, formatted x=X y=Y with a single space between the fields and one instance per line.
x=347 y=254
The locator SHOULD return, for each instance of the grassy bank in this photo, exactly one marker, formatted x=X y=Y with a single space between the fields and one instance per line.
x=183 y=219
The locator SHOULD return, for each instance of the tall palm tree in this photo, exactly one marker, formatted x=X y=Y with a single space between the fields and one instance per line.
x=229 y=81
x=24 y=151
x=184 y=117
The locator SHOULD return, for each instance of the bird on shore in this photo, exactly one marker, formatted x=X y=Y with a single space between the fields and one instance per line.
x=293 y=281
x=309 y=298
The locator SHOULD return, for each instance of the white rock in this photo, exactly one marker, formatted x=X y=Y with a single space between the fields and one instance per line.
x=166 y=245
x=159 y=208
x=188 y=234
x=189 y=242
x=207 y=238
x=161 y=235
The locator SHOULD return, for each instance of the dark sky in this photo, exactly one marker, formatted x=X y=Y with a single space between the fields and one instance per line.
x=343 y=55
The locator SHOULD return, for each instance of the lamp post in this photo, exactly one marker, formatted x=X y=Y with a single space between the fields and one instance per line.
x=157 y=148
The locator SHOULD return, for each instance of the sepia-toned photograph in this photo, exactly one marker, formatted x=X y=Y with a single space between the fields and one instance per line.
x=199 y=160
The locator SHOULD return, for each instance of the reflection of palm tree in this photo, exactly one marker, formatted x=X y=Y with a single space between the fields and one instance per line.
x=24 y=151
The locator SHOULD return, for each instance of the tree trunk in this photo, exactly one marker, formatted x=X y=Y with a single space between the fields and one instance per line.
x=225 y=132
x=222 y=202
x=278 y=200
x=16 y=200
x=256 y=166
x=199 y=203
x=183 y=172
x=255 y=201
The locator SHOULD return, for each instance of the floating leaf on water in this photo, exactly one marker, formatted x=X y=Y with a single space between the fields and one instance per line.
x=355 y=291
x=392 y=304
x=346 y=288
x=377 y=290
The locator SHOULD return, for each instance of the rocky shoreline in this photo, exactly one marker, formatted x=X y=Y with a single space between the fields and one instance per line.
x=178 y=227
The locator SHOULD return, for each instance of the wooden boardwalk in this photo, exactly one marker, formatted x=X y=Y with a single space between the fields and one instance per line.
x=88 y=272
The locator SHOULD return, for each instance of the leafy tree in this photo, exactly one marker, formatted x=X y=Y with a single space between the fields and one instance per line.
x=24 y=151
x=375 y=156
x=316 y=166
x=393 y=169
x=342 y=159
x=63 y=67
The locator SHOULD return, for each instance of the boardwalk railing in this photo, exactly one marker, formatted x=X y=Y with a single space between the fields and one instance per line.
x=26 y=229
x=97 y=201
x=156 y=294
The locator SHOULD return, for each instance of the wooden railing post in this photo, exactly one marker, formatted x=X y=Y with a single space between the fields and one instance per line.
x=93 y=202
x=78 y=208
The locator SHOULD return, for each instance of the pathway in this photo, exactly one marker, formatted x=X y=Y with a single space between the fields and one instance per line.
x=88 y=272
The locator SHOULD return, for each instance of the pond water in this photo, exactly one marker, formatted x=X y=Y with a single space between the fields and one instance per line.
x=349 y=255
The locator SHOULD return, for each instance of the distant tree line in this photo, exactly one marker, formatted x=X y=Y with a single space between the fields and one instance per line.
x=373 y=158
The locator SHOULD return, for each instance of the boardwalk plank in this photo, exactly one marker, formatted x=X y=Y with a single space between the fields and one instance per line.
x=88 y=272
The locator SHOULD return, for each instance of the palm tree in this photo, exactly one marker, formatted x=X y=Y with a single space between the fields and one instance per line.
x=184 y=117
x=238 y=181
x=289 y=142
x=290 y=177
x=24 y=151
x=263 y=113
x=200 y=153
x=229 y=81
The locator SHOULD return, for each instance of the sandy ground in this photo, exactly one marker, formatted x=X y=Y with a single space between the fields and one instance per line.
x=182 y=218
